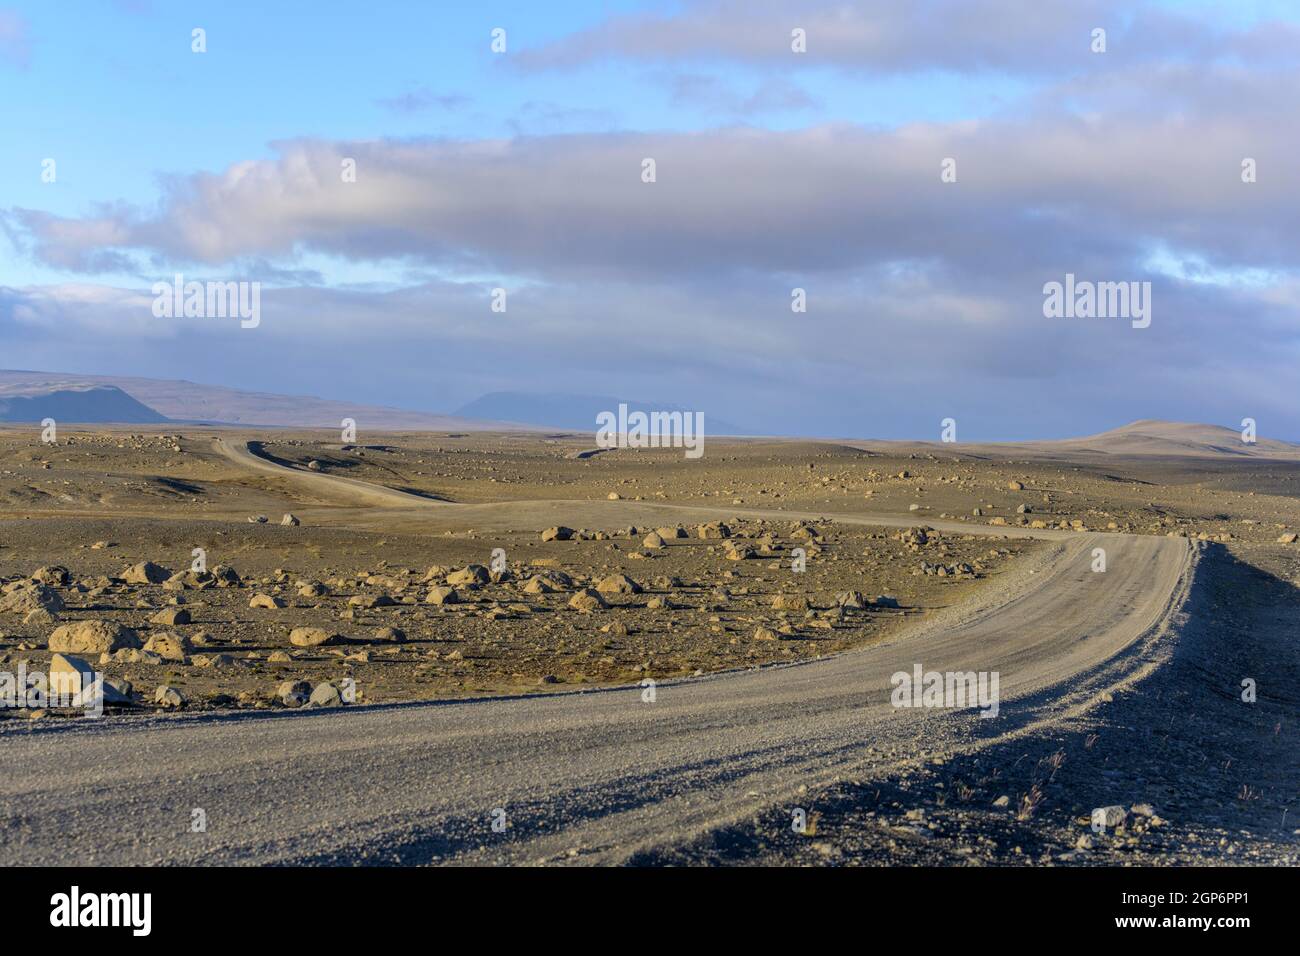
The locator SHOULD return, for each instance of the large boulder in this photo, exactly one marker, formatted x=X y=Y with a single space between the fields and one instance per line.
x=72 y=677
x=328 y=694
x=92 y=637
x=473 y=574
x=618 y=584
x=294 y=693
x=442 y=595
x=169 y=646
x=146 y=572
x=790 y=602
x=171 y=617
x=312 y=637
x=54 y=576
x=169 y=697
x=28 y=597
x=587 y=600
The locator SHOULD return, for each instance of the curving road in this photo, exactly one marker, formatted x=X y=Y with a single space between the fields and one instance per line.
x=588 y=776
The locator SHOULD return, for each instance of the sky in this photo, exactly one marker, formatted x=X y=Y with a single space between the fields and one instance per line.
x=126 y=158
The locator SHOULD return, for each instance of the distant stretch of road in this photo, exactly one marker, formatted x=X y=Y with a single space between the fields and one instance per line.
x=581 y=777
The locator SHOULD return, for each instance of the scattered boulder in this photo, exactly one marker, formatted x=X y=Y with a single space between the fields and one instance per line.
x=312 y=637
x=265 y=601
x=587 y=599
x=92 y=637
x=226 y=577
x=146 y=572
x=851 y=600
x=171 y=617
x=290 y=521
x=169 y=697
x=68 y=675
x=713 y=529
x=472 y=574
x=53 y=576
x=294 y=693
x=442 y=595
x=653 y=541
x=327 y=694
x=790 y=602
x=40 y=618
x=618 y=584
x=169 y=646
x=184 y=580
x=1109 y=817
x=391 y=635
x=28 y=597
x=71 y=677
x=213 y=660
x=559 y=533
x=915 y=537
x=1288 y=538
x=765 y=634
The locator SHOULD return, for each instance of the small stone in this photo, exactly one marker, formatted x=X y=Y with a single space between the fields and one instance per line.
x=169 y=697
x=312 y=637
x=587 y=599
x=146 y=573
x=326 y=694
x=171 y=617
x=442 y=595
x=168 y=646
x=294 y=693
x=1109 y=817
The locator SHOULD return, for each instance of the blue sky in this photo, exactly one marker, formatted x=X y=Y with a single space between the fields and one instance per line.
x=820 y=171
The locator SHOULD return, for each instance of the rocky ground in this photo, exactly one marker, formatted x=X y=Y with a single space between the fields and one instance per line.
x=98 y=534
x=412 y=616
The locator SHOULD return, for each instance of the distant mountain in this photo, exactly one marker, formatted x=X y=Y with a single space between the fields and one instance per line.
x=1186 y=439
x=183 y=401
x=1148 y=438
x=84 y=403
x=575 y=412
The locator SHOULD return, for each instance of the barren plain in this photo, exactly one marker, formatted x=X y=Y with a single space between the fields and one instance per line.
x=224 y=571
